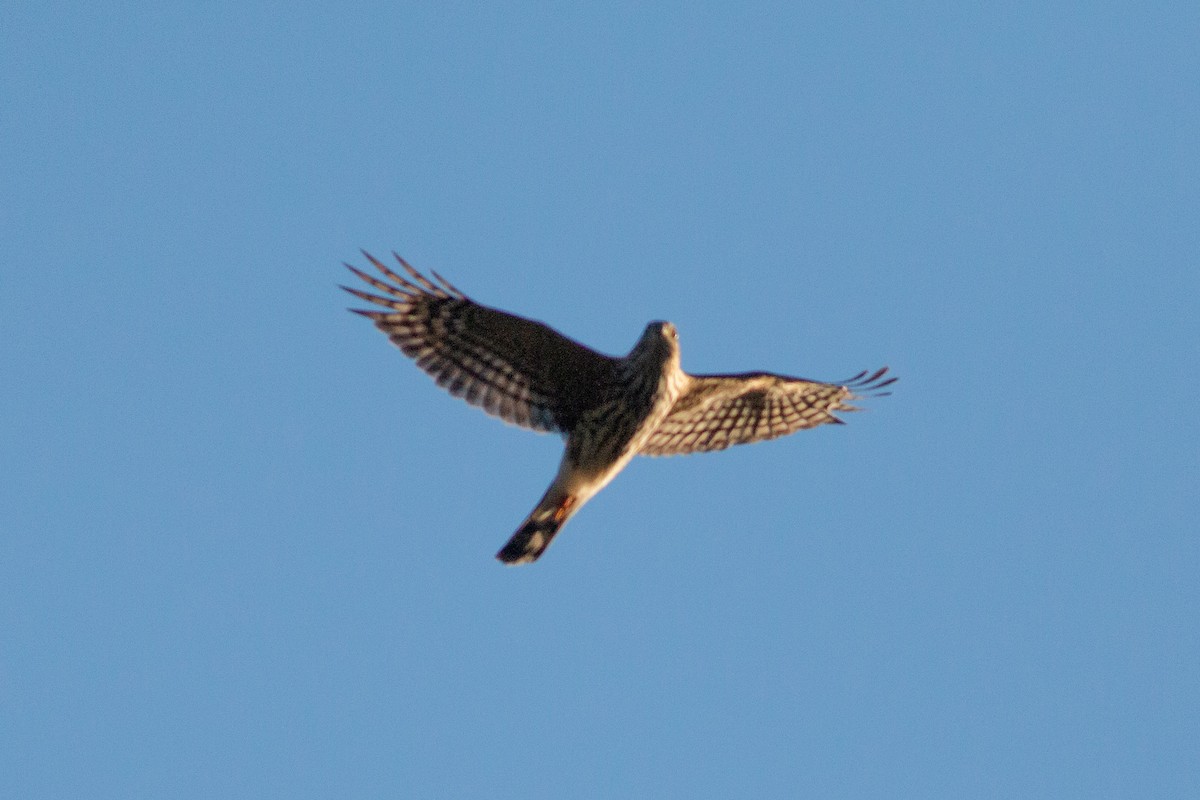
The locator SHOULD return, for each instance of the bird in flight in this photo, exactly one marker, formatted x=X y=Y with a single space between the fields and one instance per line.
x=607 y=408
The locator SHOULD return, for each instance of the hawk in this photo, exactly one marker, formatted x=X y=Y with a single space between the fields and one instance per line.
x=607 y=408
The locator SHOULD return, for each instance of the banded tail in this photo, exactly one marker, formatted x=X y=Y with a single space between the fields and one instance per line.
x=539 y=528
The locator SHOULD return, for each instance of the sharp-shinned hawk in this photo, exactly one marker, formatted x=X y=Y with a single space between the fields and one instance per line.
x=608 y=409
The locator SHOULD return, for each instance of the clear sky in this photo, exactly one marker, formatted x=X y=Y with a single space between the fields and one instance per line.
x=246 y=547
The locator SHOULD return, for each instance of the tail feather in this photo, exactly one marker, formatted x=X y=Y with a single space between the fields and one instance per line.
x=538 y=530
x=528 y=543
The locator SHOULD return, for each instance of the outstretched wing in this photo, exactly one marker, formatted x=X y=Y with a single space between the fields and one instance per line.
x=717 y=411
x=517 y=369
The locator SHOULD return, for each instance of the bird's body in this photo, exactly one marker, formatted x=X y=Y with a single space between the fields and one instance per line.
x=608 y=409
x=606 y=437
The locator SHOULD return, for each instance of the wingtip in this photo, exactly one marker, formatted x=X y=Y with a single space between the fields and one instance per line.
x=450 y=287
x=869 y=381
x=425 y=283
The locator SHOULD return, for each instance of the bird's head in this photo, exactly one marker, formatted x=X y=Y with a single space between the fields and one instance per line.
x=659 y=341
x=662 y=334
x=662 y=330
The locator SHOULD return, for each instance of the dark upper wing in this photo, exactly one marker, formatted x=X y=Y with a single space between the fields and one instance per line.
x=519 y=370
x=717 y=411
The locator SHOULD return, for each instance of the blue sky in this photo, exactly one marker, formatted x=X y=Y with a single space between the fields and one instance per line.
x=246 y=549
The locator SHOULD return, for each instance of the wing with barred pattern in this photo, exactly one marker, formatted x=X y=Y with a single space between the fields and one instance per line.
x=522 y=371
x=718 y=411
